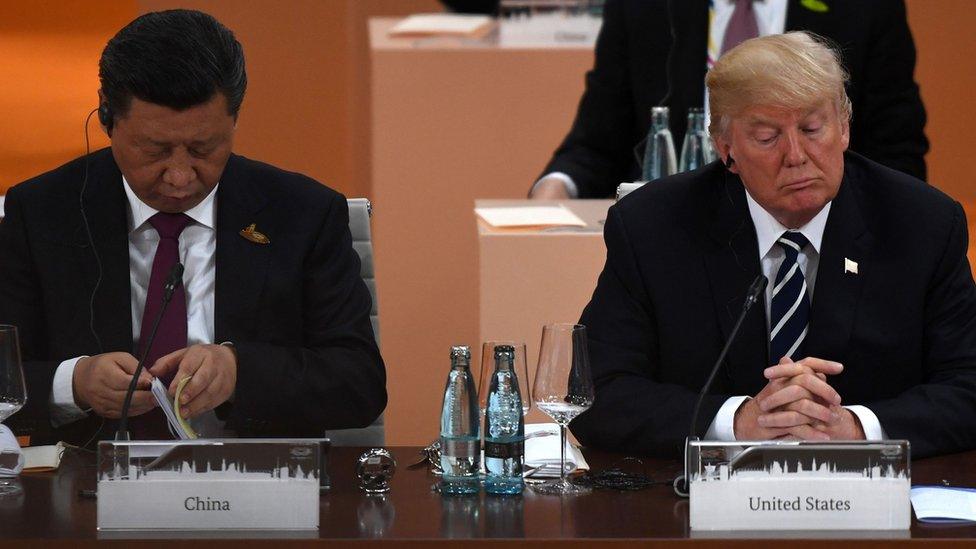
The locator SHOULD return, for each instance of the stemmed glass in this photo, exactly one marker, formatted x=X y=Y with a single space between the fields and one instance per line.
x=488 y=368
x=13 y=392
x=563 y=390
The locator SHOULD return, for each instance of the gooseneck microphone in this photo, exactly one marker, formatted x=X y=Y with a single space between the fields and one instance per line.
x=173 y=281
x=752 y=296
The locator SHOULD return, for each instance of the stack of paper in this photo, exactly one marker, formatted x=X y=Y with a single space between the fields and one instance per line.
x=542 y=452
x=944 y=503
x=443 y=24
x=177 y=424
x=530 y=216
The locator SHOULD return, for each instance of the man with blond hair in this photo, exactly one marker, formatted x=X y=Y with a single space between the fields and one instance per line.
x=868 y=328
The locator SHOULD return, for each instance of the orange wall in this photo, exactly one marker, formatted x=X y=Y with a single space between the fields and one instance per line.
x=307 y=107
x=48 y=80
x=307 y=103
x=946 y=72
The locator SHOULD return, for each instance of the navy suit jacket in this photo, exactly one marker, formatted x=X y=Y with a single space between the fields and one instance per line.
x=632 y=73
x=295 y=309
x=681 y=253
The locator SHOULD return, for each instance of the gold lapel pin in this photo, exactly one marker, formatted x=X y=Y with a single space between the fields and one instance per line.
x=253 y=235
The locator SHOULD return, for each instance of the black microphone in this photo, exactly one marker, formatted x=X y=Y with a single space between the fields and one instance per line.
x=173 y=281
x=752 y=296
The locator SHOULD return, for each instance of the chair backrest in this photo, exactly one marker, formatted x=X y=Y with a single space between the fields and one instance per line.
x=360 y=210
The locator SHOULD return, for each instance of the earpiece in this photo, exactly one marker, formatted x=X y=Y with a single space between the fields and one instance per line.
x=105 y=116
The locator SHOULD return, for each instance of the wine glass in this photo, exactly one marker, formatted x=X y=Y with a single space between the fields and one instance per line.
x=13 y=392
x=520 y=370
x=563 y=390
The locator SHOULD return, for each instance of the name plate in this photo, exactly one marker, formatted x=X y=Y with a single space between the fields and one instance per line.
x=239 y=484
x=794 y=485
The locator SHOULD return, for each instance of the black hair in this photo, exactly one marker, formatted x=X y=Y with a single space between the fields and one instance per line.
x=175 y=58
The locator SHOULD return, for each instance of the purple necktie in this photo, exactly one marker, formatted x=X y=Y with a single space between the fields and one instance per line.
x=171 y=334
x=742 y=26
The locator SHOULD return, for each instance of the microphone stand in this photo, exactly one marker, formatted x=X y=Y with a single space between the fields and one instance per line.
x=681 y=483
x=173 y=281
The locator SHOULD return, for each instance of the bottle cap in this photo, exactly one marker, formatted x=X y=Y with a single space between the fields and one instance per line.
x=460 y=351
x=506 y=351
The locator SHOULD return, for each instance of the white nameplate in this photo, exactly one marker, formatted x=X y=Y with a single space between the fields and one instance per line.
x=793 y=504
x=794 y=491
x=208 y=504
x=214 y=484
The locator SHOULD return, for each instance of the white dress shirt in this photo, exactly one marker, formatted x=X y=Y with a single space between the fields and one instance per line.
x=770 y=19
x=197 y=247
x=768 y=231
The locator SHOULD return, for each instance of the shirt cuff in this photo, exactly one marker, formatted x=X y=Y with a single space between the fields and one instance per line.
x=63 y=407
x=869 y=422
x=723 y=426
x=568 y=182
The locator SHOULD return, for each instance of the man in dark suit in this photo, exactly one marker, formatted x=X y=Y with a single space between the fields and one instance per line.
x=869 y=324
x=639 y=65
x=271 y=322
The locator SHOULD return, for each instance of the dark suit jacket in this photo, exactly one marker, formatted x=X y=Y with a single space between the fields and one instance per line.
x=681 y=253
x=628 y=79
x=296 y=309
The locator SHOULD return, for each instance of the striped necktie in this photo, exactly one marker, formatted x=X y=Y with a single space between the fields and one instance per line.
x=790 y=309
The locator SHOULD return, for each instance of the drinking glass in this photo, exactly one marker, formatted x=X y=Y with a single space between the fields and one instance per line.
x=13 y=392
x=488 y=367
x=563 y=390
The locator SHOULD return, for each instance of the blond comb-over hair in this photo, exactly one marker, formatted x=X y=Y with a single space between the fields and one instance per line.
x=796 y=70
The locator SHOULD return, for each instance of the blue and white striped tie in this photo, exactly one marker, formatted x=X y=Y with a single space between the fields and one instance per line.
x=790 y=310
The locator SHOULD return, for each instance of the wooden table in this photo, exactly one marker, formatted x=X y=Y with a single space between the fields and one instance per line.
x=50 y=513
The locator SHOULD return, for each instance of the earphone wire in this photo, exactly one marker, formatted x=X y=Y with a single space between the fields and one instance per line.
x=98 y=262
x=91 y=240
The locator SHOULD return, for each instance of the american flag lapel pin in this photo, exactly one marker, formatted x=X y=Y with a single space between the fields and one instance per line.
x=850 y=266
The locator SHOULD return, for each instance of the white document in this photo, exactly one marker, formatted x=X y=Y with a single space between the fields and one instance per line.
x=43 y=458
x=944 y=504
x=530 y=216
x=442 y=24
x=162 y=398
x=542 y=452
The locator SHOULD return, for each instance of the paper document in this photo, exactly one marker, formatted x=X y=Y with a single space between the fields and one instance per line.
x=944 y=503
x=42 y=458
x=177 y=424
x=542 y=452
x=443 y=24
x=530 y=216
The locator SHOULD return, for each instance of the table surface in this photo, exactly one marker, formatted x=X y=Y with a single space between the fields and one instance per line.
x=50 y=509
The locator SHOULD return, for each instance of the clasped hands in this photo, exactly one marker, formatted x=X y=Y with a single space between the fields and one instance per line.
x=101 y=381
x=797 y=403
